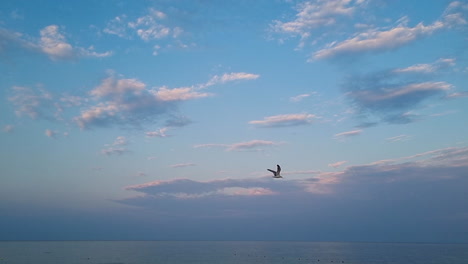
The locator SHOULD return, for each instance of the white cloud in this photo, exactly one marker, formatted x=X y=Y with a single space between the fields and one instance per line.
x=54 y=44
x=284 y=120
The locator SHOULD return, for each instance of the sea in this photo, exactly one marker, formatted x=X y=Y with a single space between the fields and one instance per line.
x=227 y=252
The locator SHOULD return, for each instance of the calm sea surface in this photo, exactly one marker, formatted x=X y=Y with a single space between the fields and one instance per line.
x=208 y=252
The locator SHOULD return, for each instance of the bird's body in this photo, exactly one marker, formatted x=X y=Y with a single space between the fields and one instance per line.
x=276 y=174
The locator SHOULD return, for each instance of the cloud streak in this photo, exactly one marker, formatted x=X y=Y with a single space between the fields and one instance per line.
x=252 y=145
x=284 y=120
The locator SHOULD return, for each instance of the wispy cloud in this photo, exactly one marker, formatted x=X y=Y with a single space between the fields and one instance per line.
x=117 y=147
x=179 y=94
x=427 y=67
x=284 y=120
x=313 y=15
x=229 y=77
x=151 y=26
x=51 y=133
x=154 y=25
x=32 y=103
x=241 y=146
x=52 y=43
x=398 y=138
x=8 y=128
x=337 y=164
x=380 y=40
x=299 y=98
x=158 y=133
x=183 y=165
x=348 y=134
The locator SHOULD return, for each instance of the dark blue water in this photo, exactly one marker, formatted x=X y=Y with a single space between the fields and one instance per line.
x=235 y=252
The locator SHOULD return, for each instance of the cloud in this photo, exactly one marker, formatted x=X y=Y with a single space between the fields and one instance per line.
x=381 y=40
x=403 y=96
x=299 y=98
x=158 y=133
x=179 y=94
x=117 y=26
x=189 y=189
x=8 y=128
x=284 y=120
x=121 y=101
x=319 y=204
x=178 y=121
x=398 y=138
x=391 y=95
x=378 y=41
x=229 y=77
x=337 y=164
x=115 y=101
x=348 y=134
x=427 y=68
x=35 y=104
x=51 y=133
x=51 y=43
x=117 y=147
x=183 y=165
x=313 y=15
x=241 y=146
x=152 y=26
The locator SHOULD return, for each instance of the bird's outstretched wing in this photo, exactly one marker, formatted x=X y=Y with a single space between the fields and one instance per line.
x=278 y=168
x=274 y=172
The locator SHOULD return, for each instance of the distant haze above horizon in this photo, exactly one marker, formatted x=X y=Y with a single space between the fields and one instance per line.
x=158 y=120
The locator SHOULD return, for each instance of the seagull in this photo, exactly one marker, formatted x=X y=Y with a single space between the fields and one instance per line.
x=276 y=174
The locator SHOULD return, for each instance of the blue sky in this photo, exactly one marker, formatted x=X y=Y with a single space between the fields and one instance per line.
x=158 y=120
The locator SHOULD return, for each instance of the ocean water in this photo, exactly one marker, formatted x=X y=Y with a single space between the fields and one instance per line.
x=227 y=252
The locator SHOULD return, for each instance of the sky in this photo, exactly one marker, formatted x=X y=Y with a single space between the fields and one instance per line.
x=158 y=120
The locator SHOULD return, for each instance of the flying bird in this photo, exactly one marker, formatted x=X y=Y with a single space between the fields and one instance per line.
x=276 y=174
